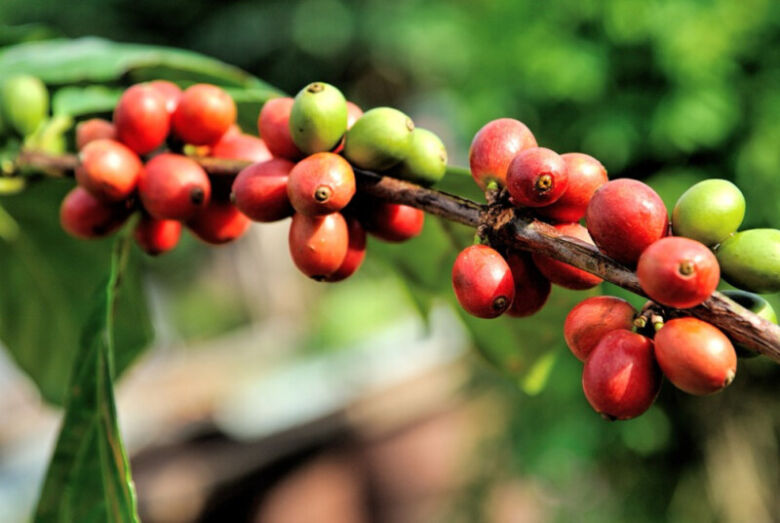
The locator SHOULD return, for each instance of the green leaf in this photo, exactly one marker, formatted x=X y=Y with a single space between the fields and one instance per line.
x=78 y=101
x=89 y=475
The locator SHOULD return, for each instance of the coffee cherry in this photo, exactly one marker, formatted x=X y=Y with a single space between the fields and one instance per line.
x=591 y=319
x=205 y=112
x=678 y=272
x=318 y=244
x=755 y=304
x=356 y=252
x=393 y=222
x=493 y=148
x=239 y=146
x=620 y=378
x=318 y=118
x=109 y=170
x=354 y=112
x=709 y=212
x=141 y=119
x=531 y=287
x=24 y=102
x=218 y=223
x=624 y=217
x=155 y=236
x=695 y=356
x=174 y=187
x=94 y=129
x=321 y=184
x=483 y=282
x=426 y=161
x=586 y=174
x=750 y=260
x=379 y=140
x=170 y=92
x=536 y=177
x=84 y=216
x=260 y=190
x=274 y=127
x=564 y=274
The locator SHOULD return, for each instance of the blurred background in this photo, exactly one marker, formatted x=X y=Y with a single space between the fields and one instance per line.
x=268 y=397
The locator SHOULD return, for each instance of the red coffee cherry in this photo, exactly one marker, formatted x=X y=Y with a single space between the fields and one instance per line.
x=678 y=272
x=218 y=223
x=239 y=146
x=84 y=216
x=260 y=190
x=274 y=126
x=393 y=222
x=494 y=146
x=174 y=187
x=356 y=252
x=205 y=112
x=591 y=319
x=624 y=217
x=695 y=356
x=353 y=114
x=620 y=378
x=531 y=287
x=321 y=184
x=170 y=92
x=94 y=129
x=586 y=174
x=537 y=177
x=564 y=274
x=108 y=170
x=483 y=282
x=155 y=236
x=318 y=244
x=142 y=122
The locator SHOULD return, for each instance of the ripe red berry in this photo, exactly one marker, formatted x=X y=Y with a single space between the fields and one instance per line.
x=174 y=187
x=94 y=129
x=586 y=174
x=318 y=244
x=356 y=252
x=620 y=378
x=591 y=319
x=353 y=114
x=84 y=216
x=155 y=236
x=695 y=356
x=393 y=222
x=564 y=274
x=239 y=146
x=260 y=190
x=483 y=282
x=142 y=122
x=531 y=287
x=170 y=92
x=494 y=146
x=109 y=170
x=274 y=126
x=320 y=184
x=624 y=217
x=218 y=223
x=537 y=177
x=678 y=272
x=205 y=112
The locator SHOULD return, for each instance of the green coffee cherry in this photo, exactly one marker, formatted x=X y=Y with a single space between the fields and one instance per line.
x=318 y=118
x=426 y=161
x=750 y=260
x=379 y=140
x=24 y=102
x=755 y=304
x=709 y=212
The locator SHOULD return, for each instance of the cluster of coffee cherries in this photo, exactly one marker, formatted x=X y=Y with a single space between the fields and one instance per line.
x=302 y=167
x=626 y=220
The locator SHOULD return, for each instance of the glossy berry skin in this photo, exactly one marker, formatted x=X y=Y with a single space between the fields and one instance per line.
x=24 y=102
x=218 y=223
x=591 y=319
x=260 y=190
x=170 y=92
x=356 y=252
x=239 y=146
x=318 y=118
x=678 y=272
x=493 y=148
x=379 y=140
x=695 y=356
x=620 y=377
x=537 y=177
x=155 y=236
x=109 y=170
x=564 y=274
x=94 y=129
x=394 y=222
x=750 y=260
x=174 y=187
x=709 y=211
x=586 y=175
x=531 y=287
x=318 y=244
x=205 y=112
x=274 y=127
x=320 y=184
x=624 y=217
x=483 y=282
x=141 y=119
x=84 y=216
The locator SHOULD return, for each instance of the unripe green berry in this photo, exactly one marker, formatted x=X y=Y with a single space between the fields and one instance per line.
x=318 y=118
x=709 y=211
x=750 y=260
x=379 y=140
x=426 y=161
x=24 y=101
